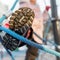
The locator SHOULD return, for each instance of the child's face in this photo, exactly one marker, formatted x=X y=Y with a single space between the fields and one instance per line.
x=33 y=1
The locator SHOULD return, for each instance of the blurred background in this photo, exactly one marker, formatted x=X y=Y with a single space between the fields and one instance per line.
x=19 y=54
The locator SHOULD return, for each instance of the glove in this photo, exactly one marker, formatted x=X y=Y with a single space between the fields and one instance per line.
x=20 y=22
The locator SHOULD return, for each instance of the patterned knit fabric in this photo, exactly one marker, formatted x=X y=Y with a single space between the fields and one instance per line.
x=20 y=22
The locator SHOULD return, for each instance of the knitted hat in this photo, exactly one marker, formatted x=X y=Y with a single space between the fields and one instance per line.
x=20 y=22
